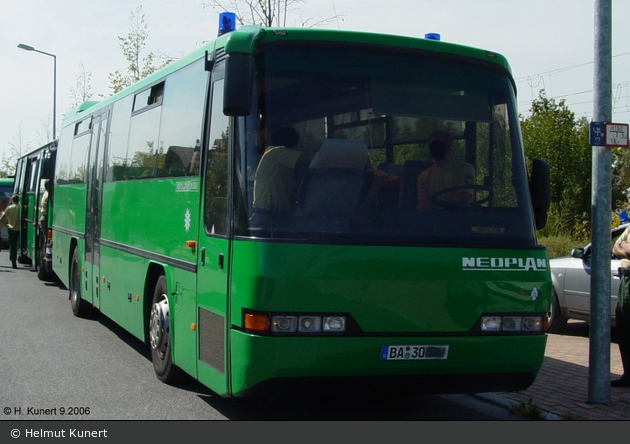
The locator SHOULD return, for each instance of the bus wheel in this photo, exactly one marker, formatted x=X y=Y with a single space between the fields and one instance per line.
x=43 y=272
x=80 y=307
x=160 y=336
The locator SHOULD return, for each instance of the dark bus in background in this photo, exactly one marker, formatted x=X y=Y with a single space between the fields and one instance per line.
x=6 y=191
x=31 y=172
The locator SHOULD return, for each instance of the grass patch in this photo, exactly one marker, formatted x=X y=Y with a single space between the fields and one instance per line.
x=558 y=246
x=529 y=410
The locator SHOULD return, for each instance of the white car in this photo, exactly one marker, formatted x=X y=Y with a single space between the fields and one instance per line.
x=571 y=278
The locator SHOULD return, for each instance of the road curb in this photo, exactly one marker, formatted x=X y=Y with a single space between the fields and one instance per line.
x=508 y=404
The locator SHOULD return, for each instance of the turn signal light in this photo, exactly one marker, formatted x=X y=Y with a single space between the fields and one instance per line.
x=256 y=322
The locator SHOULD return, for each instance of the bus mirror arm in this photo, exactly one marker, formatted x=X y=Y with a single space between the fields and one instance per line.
x=239 y=84
x=540 y=191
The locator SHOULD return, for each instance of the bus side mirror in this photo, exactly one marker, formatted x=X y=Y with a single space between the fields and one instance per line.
x=239 y=84
x=540 y=191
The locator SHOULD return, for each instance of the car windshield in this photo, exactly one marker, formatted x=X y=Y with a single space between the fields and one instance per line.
x=366 y=118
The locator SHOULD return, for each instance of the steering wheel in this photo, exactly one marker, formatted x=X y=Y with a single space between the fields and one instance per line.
x=448 y=204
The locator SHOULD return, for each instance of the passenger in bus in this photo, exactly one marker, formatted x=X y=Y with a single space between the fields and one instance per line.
x=275 y=184
x=445 y=172
x=11 y=218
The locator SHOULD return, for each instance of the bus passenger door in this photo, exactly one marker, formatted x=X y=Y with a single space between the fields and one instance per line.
x=28 y=200
x=213 y=254
x=93 y=211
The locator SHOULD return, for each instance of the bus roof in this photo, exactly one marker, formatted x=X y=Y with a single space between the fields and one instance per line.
x=48 y=145
x=247 y=38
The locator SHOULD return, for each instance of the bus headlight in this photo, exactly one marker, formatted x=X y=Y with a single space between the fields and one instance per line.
x=491 y=323
x=294 y=323
x=283 y=324
x=309 y=324
x=511 y=324
x=532 y=323
x=335 y=324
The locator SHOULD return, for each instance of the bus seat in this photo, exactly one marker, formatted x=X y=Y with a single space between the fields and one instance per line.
x=331 y=189
x=340 y=153
x=409 y=186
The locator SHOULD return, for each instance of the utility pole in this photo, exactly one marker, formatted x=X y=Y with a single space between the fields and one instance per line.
x=599 y=328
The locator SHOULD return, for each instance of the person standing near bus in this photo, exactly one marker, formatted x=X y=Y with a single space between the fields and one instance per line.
x=621 y=249
x=445 y=172
x=43 y=211
x=11 y=218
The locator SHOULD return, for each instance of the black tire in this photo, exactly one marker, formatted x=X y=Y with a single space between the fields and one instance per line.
x=43 y=273
x=160 y=335
x=80 y=307
x=557 y=322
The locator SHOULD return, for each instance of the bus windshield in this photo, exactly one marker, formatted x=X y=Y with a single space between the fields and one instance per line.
x=354 y=129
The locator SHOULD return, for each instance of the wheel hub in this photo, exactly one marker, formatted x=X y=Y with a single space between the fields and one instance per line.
x=159 y=326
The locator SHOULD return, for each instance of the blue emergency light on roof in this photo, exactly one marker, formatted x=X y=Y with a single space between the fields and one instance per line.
x=227 y=22
x=432 y=36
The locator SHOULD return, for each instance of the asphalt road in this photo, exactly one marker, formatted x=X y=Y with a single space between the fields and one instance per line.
x=54 y=366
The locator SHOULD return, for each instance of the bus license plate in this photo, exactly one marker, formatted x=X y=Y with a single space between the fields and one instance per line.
x=413 y=352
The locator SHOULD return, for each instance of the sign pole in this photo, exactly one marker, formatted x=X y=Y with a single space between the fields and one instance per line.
x=599 y=324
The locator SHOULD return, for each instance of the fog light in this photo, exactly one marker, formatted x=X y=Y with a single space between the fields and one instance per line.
x=334 y=324
x=491 y=323
x=283 y=324
x=309 y=324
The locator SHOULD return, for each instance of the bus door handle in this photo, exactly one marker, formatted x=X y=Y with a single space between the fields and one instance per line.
x=221 y=259
x=203 y=256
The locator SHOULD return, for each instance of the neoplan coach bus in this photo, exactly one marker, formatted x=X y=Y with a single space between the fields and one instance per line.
x=155 y=224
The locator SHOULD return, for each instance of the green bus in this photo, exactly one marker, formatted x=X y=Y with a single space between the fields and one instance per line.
x=155 y=225
x=31 y=173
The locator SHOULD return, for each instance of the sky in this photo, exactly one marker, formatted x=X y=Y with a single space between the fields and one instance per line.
x=549 y=44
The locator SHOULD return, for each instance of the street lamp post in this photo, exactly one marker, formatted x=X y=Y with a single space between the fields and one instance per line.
x=30 y=48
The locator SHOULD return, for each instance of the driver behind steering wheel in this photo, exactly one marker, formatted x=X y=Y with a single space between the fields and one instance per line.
x=445 y=172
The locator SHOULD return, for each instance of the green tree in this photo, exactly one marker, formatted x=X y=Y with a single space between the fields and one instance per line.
x=132 y=46
x=552 y=133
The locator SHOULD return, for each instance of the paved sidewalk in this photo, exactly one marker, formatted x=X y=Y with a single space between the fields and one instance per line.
x=561 y=387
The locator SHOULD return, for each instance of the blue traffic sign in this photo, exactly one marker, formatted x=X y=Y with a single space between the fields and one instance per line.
x=597 y=134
